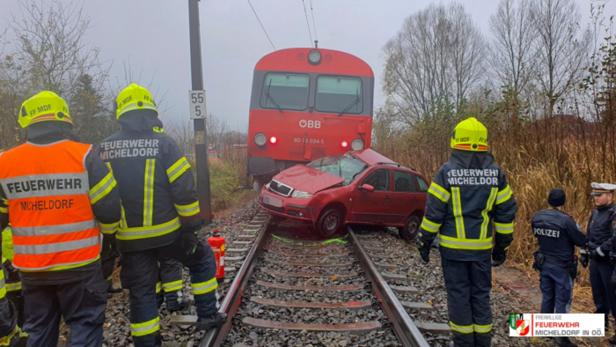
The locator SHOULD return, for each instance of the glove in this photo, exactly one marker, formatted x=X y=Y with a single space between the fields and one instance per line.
x=584 y=258
x=188 y=237
x=498 y=256
x=597 y=253
x=424 y=250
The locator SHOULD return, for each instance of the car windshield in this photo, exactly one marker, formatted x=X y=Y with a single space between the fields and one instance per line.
x=345 y=166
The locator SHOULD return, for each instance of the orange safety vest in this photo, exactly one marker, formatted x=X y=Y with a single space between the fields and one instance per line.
x=49 y=208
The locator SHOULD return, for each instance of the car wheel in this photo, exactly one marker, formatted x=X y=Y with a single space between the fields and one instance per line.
x=410 y=229
x=330 y=222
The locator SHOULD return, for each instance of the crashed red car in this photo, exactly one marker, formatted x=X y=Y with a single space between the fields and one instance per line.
x=361 y=187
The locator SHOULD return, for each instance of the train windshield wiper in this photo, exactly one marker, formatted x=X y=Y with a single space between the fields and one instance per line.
x=350 y=106
x=271 y=98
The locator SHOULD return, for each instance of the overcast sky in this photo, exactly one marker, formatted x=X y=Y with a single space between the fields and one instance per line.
x=151 y=36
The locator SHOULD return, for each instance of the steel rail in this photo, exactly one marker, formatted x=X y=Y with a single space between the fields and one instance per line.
x=405 y=329
x=233 y=298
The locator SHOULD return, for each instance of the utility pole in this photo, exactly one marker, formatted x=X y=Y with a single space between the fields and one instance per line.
x=201 y=148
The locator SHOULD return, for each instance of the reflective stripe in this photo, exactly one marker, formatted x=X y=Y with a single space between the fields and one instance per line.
x=177 y=169
x=148 y=192
x=159 y=287
x=439 y=192
x=102 y=188
x=8 y=339
x=504 y=195
x=54 y=229
x=456 y=204
x=45 y=185
x=135 y=233
x=462 y=329
x=429 y=225
x=56 y=247
x=2 y=286
x=4 y=210
x=109 y=228
x=173 y=286
x=13 y=286
x=204 y=287
x=145 y=328
x=484 y=213
x=63 y=266
x=472 y=244
x=482 y=329
x=503 y=228
x=188 y=210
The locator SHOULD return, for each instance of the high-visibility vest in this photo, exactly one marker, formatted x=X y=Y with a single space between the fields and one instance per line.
x=49 y=208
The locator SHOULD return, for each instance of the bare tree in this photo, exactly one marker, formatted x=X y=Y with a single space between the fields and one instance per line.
x=432 y=63
x=561 y=47
x=512 y=45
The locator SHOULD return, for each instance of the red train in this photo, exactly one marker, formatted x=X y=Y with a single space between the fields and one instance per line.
x=307 y=103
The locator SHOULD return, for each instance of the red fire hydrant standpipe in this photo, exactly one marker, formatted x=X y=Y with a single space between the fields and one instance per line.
x=217 y=243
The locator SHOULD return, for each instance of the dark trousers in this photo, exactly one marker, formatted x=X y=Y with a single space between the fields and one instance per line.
x=602 y=291
x=140 y=273
x=81 y=304
x=556 y=286
x=171 y=278
x=468 y=300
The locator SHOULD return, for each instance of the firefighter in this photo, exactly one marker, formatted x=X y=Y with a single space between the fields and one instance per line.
x=11 y=275
x=160 y=215
x=471 y=207
x=599 y=232
x=557 y=234
x=57 y=195
x=10 y=332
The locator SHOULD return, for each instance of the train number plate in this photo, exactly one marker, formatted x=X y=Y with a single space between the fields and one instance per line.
x=272 y=201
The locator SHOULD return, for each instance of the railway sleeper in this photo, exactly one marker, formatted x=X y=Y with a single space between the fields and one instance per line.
x=308 y=287
x=348 y=305
x=433 y=327
x=313 y=274
x=335 y=327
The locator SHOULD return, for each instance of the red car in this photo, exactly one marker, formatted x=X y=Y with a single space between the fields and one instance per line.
x=362 y=187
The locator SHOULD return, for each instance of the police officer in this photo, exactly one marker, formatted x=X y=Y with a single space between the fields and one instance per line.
x=471 y=207
x=57 y=195
x=161 y=215
x=558 y=234
x=600 y=232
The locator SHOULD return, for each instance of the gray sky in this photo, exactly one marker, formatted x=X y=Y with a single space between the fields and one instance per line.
x=151 y=36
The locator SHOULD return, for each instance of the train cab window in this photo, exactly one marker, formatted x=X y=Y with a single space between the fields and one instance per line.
x=285 y=91
x=404 y=182
x=339 y=94
x=379 y=180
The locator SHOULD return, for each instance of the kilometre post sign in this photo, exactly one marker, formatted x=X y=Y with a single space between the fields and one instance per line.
x=197 y=104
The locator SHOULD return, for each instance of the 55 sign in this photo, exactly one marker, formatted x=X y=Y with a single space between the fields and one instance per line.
x=197 y=104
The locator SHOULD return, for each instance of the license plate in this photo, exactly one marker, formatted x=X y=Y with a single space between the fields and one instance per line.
x=272 y=201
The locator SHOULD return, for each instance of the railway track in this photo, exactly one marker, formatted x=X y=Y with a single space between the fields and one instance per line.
x=299 y=292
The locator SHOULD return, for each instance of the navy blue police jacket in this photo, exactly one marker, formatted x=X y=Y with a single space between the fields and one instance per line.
x=601 y=228
x=558 y=234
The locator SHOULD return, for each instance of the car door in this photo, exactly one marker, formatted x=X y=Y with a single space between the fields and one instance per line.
x=407 y=197
x=372 y=206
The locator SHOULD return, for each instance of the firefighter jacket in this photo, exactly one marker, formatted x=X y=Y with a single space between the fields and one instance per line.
x=156 y=185
x=558 y=234
x=601 y=228
x=471 y=207
x=55 y=192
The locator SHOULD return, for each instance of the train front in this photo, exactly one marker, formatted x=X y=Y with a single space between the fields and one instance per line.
x=307 y=103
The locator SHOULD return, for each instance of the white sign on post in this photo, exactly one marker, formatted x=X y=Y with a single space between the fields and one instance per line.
x=197 y=104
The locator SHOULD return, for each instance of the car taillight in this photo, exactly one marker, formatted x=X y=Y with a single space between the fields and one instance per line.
x=273 y=140
x=344 y=144
x=357 y=144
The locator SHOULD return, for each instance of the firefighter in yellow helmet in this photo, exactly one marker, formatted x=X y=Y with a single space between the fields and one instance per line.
x=161 y=215
x=57 y=194
x=471 y=208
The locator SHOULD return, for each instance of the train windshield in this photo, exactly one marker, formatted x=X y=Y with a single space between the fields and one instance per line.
x=339 y=94
x=285 y=91
x=345 y=166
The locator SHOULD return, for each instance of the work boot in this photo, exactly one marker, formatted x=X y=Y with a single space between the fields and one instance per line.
x=214 y=321
x=175 y=305
x=564 y=342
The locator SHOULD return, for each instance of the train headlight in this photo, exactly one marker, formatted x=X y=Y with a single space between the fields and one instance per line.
x=314 y=57
x=260 y=139
x=357 y=144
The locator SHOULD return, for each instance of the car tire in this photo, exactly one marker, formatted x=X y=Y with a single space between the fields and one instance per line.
x=330 y=222
x=410 y=229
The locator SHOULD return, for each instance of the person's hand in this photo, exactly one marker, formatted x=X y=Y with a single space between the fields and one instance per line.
x=584 y=258
x=498 y=256
x=424 y=250
x=597 y=253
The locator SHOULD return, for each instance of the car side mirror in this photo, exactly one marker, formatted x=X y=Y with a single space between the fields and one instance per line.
x=367 y=187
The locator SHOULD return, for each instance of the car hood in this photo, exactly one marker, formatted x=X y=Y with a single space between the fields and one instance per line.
x=307 y=179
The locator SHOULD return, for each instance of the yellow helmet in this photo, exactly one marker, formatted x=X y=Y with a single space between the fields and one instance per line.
x=134 y=97
x=45 y=106
x=470 y=135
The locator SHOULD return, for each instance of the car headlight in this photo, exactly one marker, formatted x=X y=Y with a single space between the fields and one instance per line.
x=357 y=144
x=300 y=195
x=260 y=139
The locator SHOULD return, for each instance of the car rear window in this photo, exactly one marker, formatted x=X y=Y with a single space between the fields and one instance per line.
x=404 y=182
x=423 y=186
x=379 y=180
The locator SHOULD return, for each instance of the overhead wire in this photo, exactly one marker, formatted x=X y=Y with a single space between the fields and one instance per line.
x=314 y=23
x=261 y=24
x=307 y=23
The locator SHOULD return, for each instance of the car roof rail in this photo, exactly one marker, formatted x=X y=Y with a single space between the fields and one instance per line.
x=388 y=163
